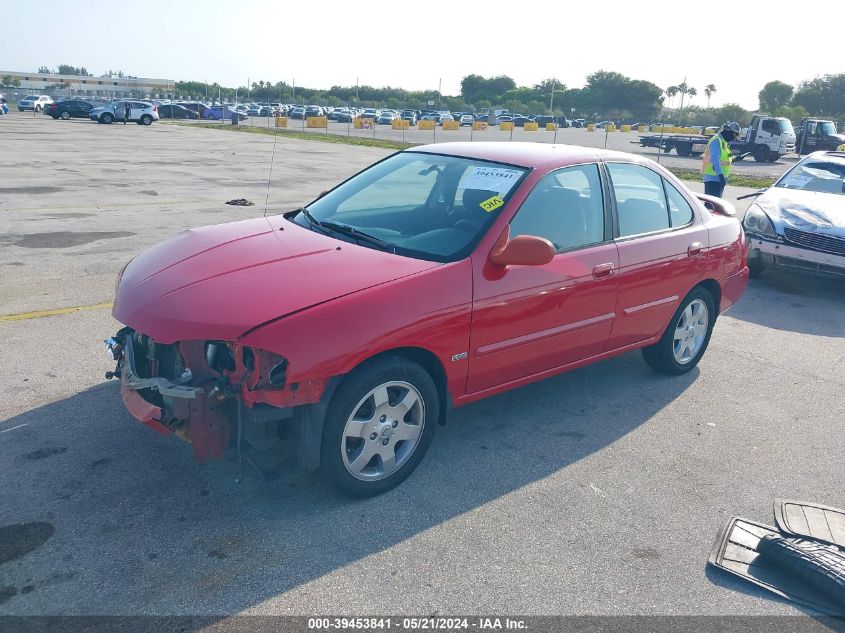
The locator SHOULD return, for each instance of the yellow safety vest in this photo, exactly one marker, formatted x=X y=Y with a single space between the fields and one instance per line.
x=841 y=148
x=725 y=158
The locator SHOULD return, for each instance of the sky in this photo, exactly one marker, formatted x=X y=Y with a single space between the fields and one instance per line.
x=421 y=45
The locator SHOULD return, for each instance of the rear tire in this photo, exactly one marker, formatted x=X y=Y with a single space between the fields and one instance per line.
x=686 y=337
x=683 y=149
x=146 y=120
x=761 y=154
x=384 y=413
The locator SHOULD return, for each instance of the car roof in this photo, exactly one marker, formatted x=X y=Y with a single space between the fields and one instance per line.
x=527 y=154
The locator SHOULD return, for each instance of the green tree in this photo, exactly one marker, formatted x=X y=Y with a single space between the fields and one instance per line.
x=793 y=113
x=822 y=96
x=731 y=112
x=45 y=70
x=709 y=91
x=774 y=95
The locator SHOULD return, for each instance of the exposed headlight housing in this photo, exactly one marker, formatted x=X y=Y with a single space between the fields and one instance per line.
x=758 y=223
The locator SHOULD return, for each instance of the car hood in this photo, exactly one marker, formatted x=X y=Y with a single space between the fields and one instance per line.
x=805 y=210
x=219 y=282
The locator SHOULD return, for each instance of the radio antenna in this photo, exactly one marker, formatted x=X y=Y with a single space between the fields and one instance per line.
x=270 y=175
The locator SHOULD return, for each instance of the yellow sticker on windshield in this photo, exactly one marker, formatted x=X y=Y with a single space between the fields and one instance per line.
x=491 y=204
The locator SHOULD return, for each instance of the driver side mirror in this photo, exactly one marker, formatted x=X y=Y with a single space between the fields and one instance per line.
x=523 y=250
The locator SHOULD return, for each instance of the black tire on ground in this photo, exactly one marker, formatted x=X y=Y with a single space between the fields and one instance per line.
x=106 y=118
x=65 y=115
x=344 y=403
x=661 y=355
x=774 y=157
x=683 y=149
x=761 y=154
x=146 y=119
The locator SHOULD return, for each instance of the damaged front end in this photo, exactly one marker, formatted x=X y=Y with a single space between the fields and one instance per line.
x=216 y=395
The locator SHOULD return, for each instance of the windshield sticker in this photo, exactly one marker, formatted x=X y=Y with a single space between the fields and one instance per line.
x=797 y=181
x=491 y=204
x=496 y=179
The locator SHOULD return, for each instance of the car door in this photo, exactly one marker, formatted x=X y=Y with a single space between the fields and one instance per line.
x=528 y=320
x=137 y=109
x=662 y=246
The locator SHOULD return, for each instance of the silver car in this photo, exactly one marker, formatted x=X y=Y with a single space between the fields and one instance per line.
x=799 y=223
x=142 y=112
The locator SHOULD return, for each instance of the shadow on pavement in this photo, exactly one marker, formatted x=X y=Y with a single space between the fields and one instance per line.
x=798 y=303
x=141 y=529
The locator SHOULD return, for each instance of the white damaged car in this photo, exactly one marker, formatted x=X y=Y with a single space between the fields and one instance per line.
x=799 y=222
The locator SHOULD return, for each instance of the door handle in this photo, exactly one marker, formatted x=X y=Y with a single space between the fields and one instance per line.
x=603 y=270
x=695 y=249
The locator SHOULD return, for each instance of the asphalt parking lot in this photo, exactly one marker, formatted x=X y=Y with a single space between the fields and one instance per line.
x=596 y=492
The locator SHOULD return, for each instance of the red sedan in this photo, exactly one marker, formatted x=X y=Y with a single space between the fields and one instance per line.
x=438 y=276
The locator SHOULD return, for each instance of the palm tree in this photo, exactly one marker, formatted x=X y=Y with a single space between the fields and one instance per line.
x=671 y=91
x=709 y=91
x=683 y=88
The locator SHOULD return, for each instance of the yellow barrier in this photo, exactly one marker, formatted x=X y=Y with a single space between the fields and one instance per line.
x=399 y=124
x=551 y=127
x=451 y=125
x=611 y=127
x=316 y=121
x=506 y=126
x=426 y=125
x=642 y=128
x=625 y=128
x=591 y=127
x=281 y=121
x=356 y=123
x=480 y=126
x=531 y=127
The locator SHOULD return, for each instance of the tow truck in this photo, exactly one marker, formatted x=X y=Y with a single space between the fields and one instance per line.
x=817 y=134
x=767 y=138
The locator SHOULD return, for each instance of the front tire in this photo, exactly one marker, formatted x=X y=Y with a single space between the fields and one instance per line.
x=107 y=118
x=64 y=116
x=686 y=337
x=379 y=426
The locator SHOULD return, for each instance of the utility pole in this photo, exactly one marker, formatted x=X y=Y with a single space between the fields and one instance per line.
x=439 y=87
x=357 y=85
x=552 y=100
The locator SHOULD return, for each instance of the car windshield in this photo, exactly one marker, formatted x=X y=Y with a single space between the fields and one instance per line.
x=827 y=127
x=786 y=127
x=417 y=204
x=824 y=177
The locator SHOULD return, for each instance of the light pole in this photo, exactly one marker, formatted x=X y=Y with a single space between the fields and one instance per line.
x=552 y=99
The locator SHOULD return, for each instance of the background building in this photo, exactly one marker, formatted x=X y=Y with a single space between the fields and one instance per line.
x=84 y=86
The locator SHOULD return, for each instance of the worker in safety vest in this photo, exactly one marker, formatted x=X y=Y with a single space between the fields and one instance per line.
x=716 y=163
x=841 y=148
